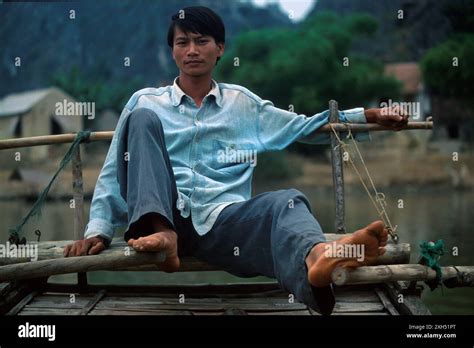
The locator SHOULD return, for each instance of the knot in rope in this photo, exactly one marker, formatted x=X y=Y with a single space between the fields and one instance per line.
x=431 y=254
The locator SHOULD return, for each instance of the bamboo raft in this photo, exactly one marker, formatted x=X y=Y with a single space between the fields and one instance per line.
x=375 y=290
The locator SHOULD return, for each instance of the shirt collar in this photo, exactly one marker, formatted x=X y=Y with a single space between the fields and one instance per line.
x=177 y=93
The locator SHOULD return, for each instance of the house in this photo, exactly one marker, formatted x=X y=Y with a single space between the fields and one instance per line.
x=413 y=90
x=34 y=113
x=416 y=101
x=454 y=126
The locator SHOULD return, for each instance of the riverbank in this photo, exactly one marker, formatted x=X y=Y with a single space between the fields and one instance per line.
x=387 y=171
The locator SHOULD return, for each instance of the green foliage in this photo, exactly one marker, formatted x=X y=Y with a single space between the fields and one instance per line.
x=439 y=73
x=304 y=67
x=84 y=88
x=461 y=15
x=361 y=24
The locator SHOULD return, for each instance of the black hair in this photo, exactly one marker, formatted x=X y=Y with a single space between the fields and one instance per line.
x=199 y=20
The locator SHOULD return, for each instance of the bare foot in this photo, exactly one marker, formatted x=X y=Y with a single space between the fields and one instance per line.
x=325 y=257
x=166 y=241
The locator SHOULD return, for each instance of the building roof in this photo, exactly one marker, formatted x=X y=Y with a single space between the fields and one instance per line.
x=408 y=73
x=18 y=103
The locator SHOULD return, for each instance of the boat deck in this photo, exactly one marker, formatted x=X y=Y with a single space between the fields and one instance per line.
x=228 y=299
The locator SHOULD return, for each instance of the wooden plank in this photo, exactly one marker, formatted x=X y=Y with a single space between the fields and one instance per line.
x=92 y=303
x=205 y=304
x=358 y=307
x=337 y=170
x=49 y=311
x=302 y=312
x=4 y=287
x=360 y=313
x=234 y=311
x=60 y=301
x=386 y=302
x=19 y=306
x=255 y=289
x=410 y=305
x=16 y=291
x=78 y=194
x=193 y=307
x=121 y=312
x=355 y=296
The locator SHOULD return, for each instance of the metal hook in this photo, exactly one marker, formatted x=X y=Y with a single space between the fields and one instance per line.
x=38 y=233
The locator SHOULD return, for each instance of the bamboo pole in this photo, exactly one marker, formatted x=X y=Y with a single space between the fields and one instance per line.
x=78 y=198
x=390 y=273
x=106 y=136
x=52 y=253
x=112 y=260
x=78 y=194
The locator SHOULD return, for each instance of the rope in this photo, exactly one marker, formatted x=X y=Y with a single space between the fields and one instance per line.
x=431 y=254
x=379 y=200
x=36 y=209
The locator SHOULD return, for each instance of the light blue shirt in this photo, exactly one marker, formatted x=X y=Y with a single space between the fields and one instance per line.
x=213 y=149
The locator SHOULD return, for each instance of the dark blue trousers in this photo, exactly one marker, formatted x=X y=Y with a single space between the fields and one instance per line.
x=271 y=234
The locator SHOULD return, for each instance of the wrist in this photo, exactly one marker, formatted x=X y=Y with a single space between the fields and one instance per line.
x=104 y=240
x=370 y=115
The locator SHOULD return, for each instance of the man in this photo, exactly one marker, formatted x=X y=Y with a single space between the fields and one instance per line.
x=172 y=177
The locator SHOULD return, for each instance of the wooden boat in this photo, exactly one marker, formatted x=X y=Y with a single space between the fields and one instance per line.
x=387 y=289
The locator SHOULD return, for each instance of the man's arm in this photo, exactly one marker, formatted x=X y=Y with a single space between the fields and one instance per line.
x=108 y=208
x=278 y=128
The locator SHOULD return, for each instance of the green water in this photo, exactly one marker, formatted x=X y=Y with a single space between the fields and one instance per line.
x=438 y=214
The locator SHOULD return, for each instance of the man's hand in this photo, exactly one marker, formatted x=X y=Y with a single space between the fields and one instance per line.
x=393 y=118
x=89 y=246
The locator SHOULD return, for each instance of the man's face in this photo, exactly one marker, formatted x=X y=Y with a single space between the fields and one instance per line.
x=195 y=54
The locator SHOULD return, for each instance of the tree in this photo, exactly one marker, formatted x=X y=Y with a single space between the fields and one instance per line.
x=104 y=95
x=308 y=66
x=304 y=67
x=447 y=68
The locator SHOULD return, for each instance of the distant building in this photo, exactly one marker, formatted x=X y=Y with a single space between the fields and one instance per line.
x=413 y=90
x=33 y=113
x=453 y=121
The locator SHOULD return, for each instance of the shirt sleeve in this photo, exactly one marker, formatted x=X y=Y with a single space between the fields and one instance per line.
x=108 y=208
x=278 y=128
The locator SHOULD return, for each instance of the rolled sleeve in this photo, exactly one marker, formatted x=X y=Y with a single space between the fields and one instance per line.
x=99 y=227
x=356 y=115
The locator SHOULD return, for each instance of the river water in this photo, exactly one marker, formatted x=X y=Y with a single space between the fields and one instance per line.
x=428 y=215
